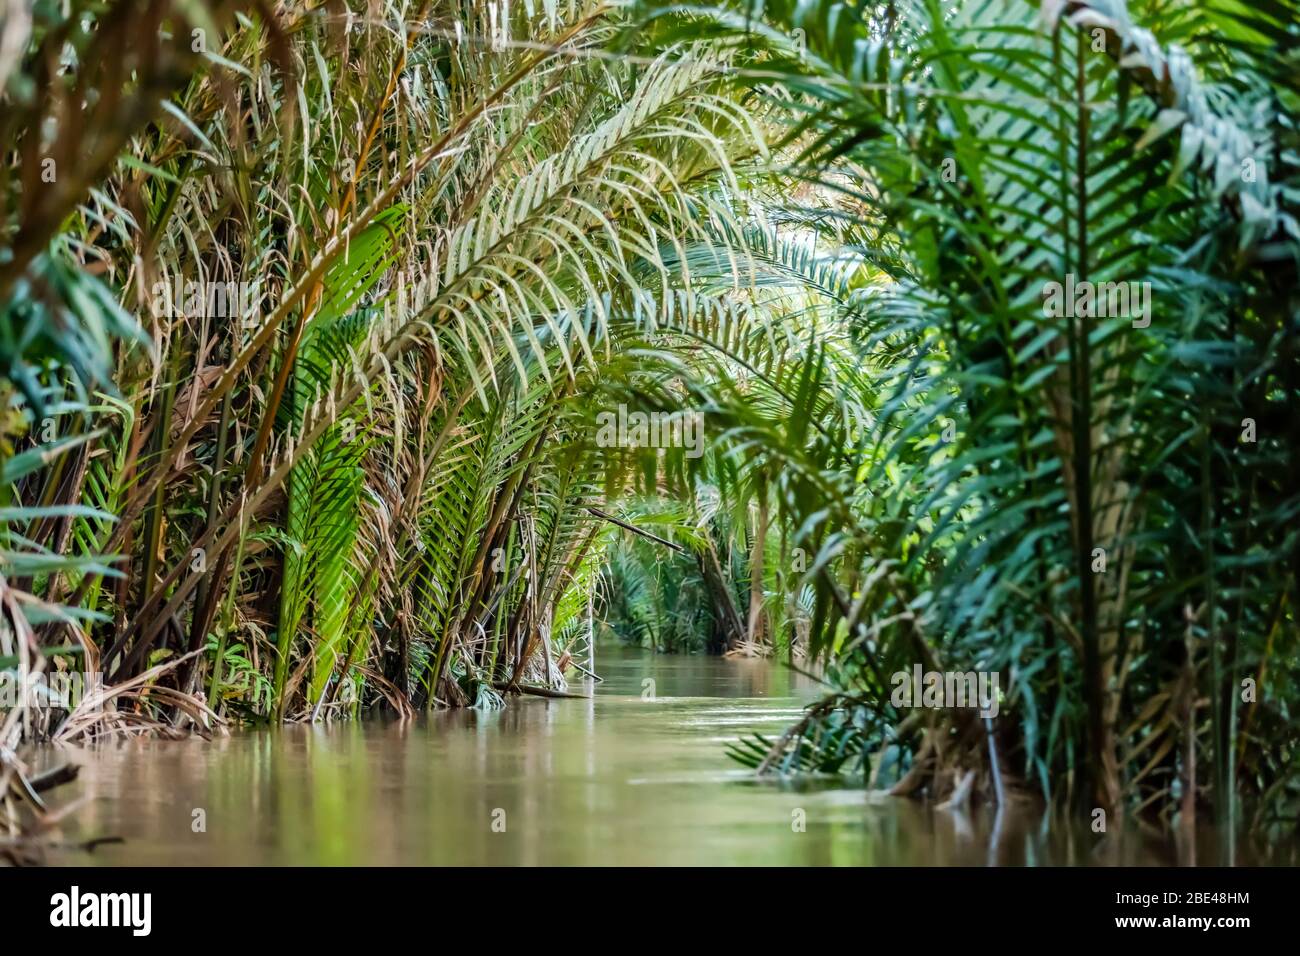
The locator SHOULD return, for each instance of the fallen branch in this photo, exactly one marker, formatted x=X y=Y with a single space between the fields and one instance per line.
x=506 y=686
x=635 y=530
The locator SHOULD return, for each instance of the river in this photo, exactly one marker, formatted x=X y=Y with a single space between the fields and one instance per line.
x=635 y=775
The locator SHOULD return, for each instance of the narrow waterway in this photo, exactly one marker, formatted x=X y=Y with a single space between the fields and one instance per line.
x=636 y=775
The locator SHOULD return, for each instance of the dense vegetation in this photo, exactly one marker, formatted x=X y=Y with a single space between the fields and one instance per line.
x=316 y=319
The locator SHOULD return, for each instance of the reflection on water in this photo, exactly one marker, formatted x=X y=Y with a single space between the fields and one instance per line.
x=619 y=779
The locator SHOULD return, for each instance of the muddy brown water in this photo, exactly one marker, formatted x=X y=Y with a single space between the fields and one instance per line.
x=636 y=775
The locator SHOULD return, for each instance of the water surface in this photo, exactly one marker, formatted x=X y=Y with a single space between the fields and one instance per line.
x=635 y=775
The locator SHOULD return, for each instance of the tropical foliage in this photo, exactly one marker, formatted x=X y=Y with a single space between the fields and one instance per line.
x=311 y=314
x=1094 y=505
